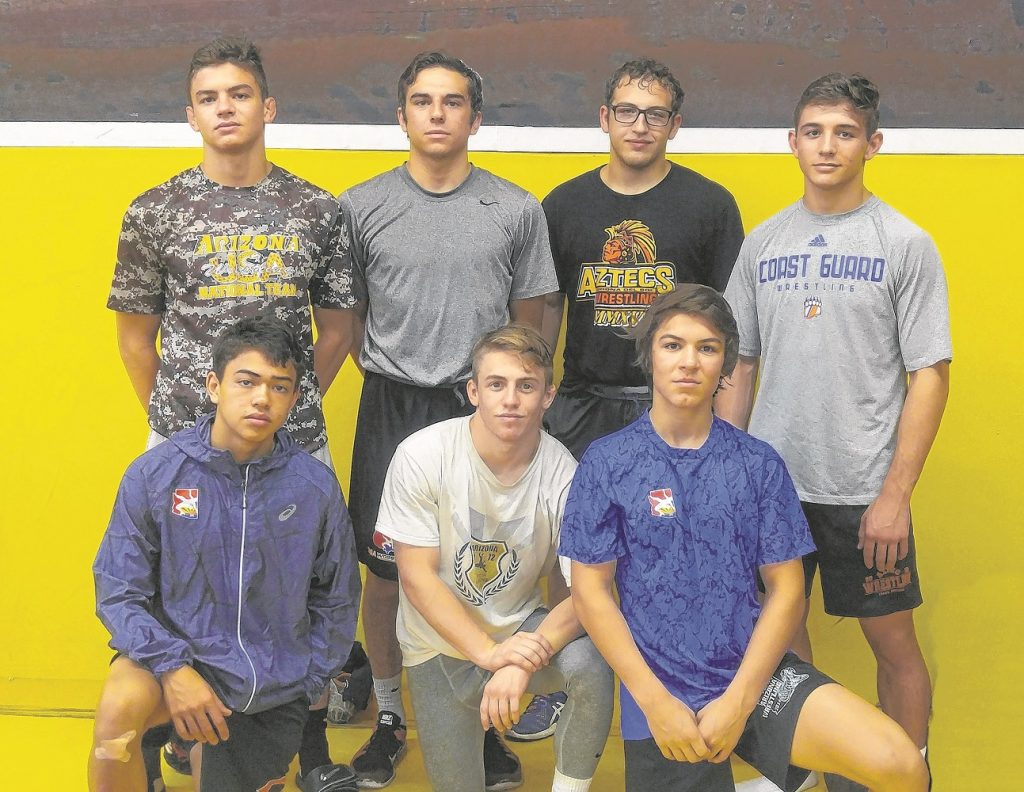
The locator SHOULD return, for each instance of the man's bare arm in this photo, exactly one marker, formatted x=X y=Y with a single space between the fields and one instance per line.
x=672 y=723
x=735 y=398
x=723 y=719
x=551 y=326
x=136 y=341
x=529 y=311
x=435 y=602
x=885 y=526
x=334 y=332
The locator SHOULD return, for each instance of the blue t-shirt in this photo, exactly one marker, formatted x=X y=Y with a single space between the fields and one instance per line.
x=688 y=528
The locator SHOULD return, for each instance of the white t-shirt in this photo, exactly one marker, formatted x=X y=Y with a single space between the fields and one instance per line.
x=496 y=541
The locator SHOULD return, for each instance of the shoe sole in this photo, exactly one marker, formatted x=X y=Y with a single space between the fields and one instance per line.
x=502 y=785
x=541 y=735
x=369 y=783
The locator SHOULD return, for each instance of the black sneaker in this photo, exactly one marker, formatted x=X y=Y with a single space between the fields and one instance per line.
x=178 y=754
x=328 y=778
x=375 y=762
x=502 y=769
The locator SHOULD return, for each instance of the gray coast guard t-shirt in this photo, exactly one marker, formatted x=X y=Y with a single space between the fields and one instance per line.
x=438 y=270
x=839 y=308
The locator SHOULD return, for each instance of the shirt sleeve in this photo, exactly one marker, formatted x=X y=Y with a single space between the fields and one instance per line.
x=126 y=578
x=138 y=284
x=922 y=306
x=333 y=600
x=723 y=245
x=783 y=533
x=356 y=253
x=409 y=504
x=533 y=269
x=742 y=298
x=592 y=526
x=331 y=284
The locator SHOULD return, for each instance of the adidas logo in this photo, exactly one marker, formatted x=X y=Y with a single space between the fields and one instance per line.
x=818 y=241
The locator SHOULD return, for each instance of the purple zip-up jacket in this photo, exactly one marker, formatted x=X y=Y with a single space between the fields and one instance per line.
x=248 y=572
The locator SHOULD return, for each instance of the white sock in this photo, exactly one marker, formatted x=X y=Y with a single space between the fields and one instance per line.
x=388 y=693
x=564 y=783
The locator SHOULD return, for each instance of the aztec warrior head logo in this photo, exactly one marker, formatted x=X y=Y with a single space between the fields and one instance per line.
x=629 y=242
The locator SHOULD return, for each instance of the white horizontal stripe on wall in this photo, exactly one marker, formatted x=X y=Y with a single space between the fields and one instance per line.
x=389 y=137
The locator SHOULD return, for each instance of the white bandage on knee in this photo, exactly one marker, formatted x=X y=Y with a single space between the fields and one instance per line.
x=116 y=749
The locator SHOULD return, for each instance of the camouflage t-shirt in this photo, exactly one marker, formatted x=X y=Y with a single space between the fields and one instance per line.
x=204 y=256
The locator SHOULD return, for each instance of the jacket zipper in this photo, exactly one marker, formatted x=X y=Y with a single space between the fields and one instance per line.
x=241 y=562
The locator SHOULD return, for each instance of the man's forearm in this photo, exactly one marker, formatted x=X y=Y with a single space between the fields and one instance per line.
x=436 y=603
x=918 y=426
x=561 y=626
x=776 y=625
x=735 y=397
x=333 y=343
x=606 y=626
x=136 y=341
x=529 y=311
x=551 y=324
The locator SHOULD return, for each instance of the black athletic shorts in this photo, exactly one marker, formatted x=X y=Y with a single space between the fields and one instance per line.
x=389 y=412
x=848 y=587
x=766 y=743
x=256 y=756
x=579 y=415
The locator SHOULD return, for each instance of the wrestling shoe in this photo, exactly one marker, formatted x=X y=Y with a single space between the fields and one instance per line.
x=502 y=769
x=375 y=762
x=539 y=719
x=328 y=778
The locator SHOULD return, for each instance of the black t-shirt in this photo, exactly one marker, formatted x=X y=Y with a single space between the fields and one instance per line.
x=615 y=253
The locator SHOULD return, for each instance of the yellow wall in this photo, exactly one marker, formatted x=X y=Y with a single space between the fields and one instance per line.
x=72 y=423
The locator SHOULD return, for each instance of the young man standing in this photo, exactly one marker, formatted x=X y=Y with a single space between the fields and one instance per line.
x=473 y=507
x=227 y=579
x=678 y=511
x=442 y=252
x=621 y=235
x=235 y=236
x=841 y=303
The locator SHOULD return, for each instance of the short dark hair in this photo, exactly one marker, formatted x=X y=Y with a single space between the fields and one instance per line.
x=838 y=88
x=520 y=340
x=692 y=299
x=645 y=71
x=239 y=51
x=264 y=333
x=430 y=60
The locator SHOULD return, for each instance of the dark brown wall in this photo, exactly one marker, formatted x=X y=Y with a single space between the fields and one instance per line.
x=939 y=63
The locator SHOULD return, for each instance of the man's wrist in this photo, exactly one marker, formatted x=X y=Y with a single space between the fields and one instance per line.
x=482 y=654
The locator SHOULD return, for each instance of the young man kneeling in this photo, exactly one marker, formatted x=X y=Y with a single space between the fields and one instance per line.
x=227 y=579
x=473 y=506
x=679 y=510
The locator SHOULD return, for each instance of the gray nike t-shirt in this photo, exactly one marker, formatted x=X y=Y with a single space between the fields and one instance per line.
x=438 y=270
x=838 y=308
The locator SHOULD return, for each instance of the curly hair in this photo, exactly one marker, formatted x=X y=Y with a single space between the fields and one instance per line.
x=646 y=72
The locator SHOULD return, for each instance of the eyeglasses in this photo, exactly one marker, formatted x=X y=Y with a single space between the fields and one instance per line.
x=654 y=116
